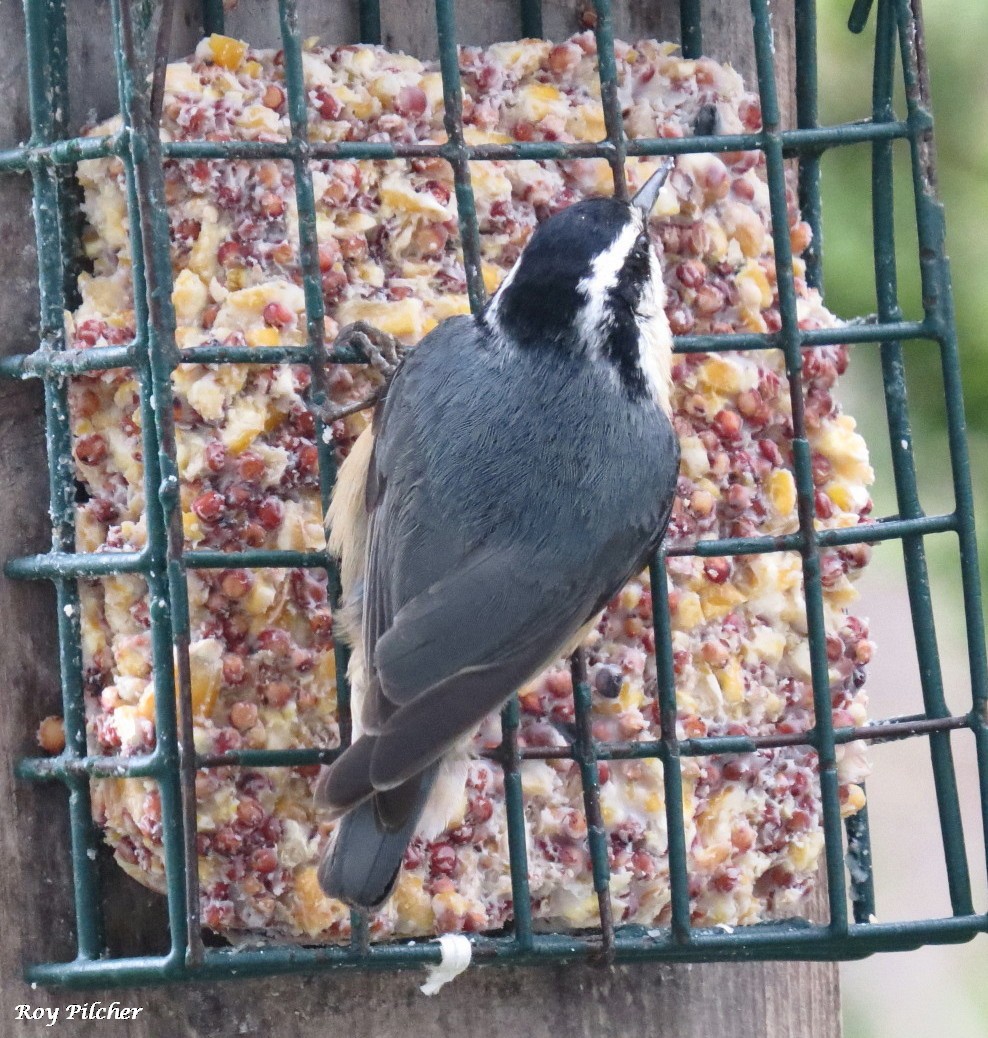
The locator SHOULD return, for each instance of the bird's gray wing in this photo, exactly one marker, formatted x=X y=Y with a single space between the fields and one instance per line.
x=455 y=652
x=463 y=600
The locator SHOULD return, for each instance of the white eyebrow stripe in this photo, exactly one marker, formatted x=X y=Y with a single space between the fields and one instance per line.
x=602 y=278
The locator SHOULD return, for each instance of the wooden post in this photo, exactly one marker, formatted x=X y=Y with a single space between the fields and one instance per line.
x=760 y=1000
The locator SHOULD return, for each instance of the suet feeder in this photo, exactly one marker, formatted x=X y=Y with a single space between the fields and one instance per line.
x=50 y=158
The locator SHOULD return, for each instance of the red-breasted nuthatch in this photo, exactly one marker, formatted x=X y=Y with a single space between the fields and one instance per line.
x=520 y=469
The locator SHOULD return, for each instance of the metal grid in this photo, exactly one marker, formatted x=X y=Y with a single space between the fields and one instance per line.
x=49 y=159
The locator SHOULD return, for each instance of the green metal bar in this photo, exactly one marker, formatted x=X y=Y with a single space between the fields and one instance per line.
x=167 y=591
x=45 y=769
x=44 y=362
x=45 y=28
x=370 y=21
x=865 y=533
x=858 y=18
x=904 y=474
x=859 y=866
x=73 y=150
x=668 y=752
x=531 y=18
x=58 y=565
x=586 y=757
x=810 y=554
x=794 y=940
x=213 y=17
x=320 y=357
x=66 y=767
x=794 y=142
x=60 y=153
x=296 y=758
x=458 y=153
x=514 y=805
x=607 y=74
x=939 y=306
x=255 y=558
x=807 y=116
x=691 y=28
x=76 y=362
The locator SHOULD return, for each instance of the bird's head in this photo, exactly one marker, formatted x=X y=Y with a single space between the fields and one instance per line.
x=588 y=281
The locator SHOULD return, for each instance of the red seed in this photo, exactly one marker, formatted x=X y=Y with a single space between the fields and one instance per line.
x=835 y=648
x=227 y=739
x=329 y=253
x=709 y=300
x=321 y=622
x=276 y=693
x=215 y=455
x=822 y=469
x=238 y=495
x=411 y=102
x=823 y=505
x=227 y=840
x=481 y=809
x=563 y=57
x=681 y=321
x=250 y=813
x=559 y=683
x=727 y=425
x=353 y=247
x=334 y=285
x=272 y=205
x=51 y=734
x=277 y=315
x=234 y=672
x=750 y=110
x=430 y=240
x=769 y=450
x=271 y=513
x=691 y=273
x=264 y=859
x=308 y=458
x=275 y=640
x=91 y=449
x=717 y=570
x=327 y=105
x=209 y=507
x=85 y=403
x=235 y=583
x=254 y=535
x=274 y=97
x=250 y=466
x=188 y=229
x=230 y=253
x=442 y=860
x=749 y=402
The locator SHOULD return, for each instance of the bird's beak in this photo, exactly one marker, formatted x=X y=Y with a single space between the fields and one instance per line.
x=645 y=198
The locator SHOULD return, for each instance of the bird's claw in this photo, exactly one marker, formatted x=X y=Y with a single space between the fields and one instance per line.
x=383 y=352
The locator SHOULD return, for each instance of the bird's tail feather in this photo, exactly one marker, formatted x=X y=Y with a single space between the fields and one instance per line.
x=363 y=864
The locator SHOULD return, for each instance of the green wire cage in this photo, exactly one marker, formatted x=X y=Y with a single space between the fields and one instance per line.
x=49 y=159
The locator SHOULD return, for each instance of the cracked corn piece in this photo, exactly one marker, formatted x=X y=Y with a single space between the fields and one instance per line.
x=263 y=671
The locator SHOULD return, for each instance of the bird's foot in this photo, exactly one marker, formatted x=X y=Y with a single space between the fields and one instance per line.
x=383 y=352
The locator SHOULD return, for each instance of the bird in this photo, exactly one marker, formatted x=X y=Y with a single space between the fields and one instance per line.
x=519 y=469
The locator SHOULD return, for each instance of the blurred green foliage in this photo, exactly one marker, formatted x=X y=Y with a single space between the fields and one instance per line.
x=957 y=45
